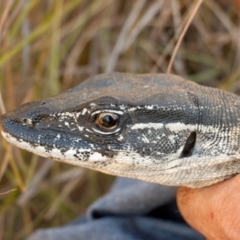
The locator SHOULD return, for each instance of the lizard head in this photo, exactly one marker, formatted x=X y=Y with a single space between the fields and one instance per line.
x=142 y=126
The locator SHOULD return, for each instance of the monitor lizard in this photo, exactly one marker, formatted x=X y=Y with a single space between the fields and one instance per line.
x=154 y=127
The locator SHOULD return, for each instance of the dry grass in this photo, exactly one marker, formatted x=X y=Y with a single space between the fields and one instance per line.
x=50 y=46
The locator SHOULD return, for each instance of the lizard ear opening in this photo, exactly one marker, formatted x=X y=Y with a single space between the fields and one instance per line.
x=189 y=145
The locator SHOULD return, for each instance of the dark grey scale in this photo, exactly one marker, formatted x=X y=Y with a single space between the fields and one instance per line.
x=169 y=133
x=86 y=156
x=169 y=146
x=159 y=115
x=82 y=156
x=77 y=157
x=100 y=164
x=150 y=148
x=215 y=103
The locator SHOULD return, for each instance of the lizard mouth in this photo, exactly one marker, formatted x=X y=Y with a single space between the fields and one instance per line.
x=28 y=131
x=37 y=131
x=50 y=144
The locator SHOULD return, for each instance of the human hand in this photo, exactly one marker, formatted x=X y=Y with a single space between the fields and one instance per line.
x=214 y=211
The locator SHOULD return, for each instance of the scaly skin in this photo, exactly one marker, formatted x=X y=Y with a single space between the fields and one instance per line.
x=167 y=130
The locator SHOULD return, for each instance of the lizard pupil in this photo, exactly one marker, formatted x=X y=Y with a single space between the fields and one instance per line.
x=107 y=120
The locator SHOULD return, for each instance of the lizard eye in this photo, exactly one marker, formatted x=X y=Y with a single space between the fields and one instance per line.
x=107 y=120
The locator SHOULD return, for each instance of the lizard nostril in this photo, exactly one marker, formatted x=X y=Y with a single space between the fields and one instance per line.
x=27 y=121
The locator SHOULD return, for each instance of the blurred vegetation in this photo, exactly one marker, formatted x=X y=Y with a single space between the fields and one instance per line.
x=50 y=46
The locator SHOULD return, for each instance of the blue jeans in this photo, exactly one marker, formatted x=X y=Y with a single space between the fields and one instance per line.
x=132 y=210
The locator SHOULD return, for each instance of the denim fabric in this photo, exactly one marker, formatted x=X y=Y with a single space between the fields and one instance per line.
x=132 y=210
